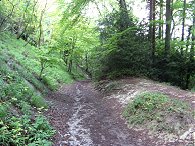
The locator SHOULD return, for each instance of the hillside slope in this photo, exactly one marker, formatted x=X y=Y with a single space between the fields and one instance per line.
x=21 y=93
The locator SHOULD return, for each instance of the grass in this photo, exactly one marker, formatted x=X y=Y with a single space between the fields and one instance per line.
x=158 y=112
x=22 y=90
x=38 y=101
x=3 y=110
x=18 y=128
x=19 y=82
x=26 y=56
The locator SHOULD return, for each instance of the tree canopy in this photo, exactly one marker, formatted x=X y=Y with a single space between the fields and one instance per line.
x=116 y=42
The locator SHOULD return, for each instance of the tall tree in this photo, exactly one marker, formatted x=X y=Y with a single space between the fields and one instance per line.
x=183 y=24
x=191 y=64
x=160 y=31
x=168 y=28
x=152 y=28
x=193 y=34
x=41 y=25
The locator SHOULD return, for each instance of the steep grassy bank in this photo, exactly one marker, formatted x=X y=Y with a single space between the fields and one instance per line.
x=29 y=58
x=21 y=93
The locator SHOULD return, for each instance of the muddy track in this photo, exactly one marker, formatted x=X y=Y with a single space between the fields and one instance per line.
x=83 y=117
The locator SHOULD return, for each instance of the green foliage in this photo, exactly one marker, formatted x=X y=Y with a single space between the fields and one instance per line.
x=3 y=110
x=38 y=101
x=192 y=83
x=156 y=107
x=46 y=60
x=76 y=45
x=18 y=93
x=12 y=11
x=41 y=143
x=121 y=51
x=27 y=62
x=72 y=11
x=21 y=131
x=13 y=86
x=25 y=108
x=178 y=69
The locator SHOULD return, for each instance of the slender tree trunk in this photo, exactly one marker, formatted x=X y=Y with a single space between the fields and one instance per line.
x=183 y=24
x=152 y=28
x=172 y=18
x=168 y=28
x=73 y=45
x=70 y=66
x=193 y=36
x=190 y=68
x=86 y=62
x=40 y=25
x=153 y=31
x=188 y=39
x=23 y=31
x=150 y=21
x=160 y=31
x=43 y=66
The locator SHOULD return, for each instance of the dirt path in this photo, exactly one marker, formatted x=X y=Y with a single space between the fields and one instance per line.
x=84 y=117
x=124 y=90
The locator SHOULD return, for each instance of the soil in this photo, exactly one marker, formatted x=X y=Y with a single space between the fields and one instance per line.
x=85 y=116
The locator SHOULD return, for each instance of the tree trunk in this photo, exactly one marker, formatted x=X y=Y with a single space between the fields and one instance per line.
x=150 y=20
x=86 y=62
x=188 y=39
x=168 y=28
x=193 y=36
x=160 y=31
x=40 y=25
x=70 y=66
x=190 y=68
x=183 y=24
x=152 y=29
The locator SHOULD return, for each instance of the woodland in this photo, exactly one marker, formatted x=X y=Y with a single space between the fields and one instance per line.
x=160 y=47
x=48 y=43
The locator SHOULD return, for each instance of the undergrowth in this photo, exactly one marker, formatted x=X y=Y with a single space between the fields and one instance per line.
x=26 y=57
x=158 y=112
x=21 y=119
x=22 y=131
x=16 y=102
